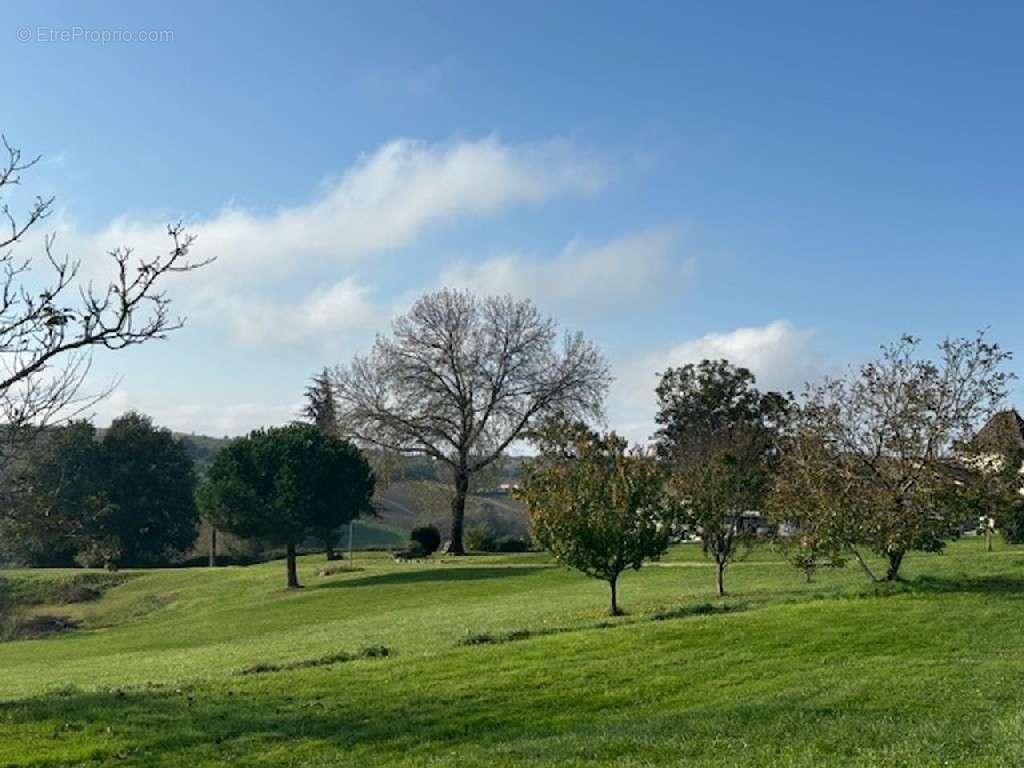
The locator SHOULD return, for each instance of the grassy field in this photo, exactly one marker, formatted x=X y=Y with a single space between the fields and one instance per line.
x=506 y=660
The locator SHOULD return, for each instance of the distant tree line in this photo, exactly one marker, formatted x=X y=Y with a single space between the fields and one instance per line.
x=126 y=498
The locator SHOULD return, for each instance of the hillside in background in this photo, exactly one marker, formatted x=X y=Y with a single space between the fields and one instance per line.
x=415 y=492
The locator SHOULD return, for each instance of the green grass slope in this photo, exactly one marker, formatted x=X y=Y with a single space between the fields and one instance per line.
x=509 y=661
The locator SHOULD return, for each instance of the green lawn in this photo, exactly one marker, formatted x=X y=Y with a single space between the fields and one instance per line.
x=780 y=673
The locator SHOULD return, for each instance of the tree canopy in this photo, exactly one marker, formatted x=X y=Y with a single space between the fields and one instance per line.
x=57 y=488
x=461 y=378
x=125 y=499
x=597 y=505
x=284 y=484
x=718 y=437
x=875 y=458
x=321 y=408
x=151 y=484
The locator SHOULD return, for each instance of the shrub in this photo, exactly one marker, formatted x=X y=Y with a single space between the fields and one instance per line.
x=1011 y=523
x=479 y=538
x=427 y=537
x=101 y=552
x=513 y=544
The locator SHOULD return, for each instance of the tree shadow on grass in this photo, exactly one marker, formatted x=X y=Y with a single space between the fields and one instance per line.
x=427 y=575
x=317 y=723
x=159 y=726
x=999 y=585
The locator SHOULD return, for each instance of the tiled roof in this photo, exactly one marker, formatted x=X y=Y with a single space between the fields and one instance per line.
x=1004 y=433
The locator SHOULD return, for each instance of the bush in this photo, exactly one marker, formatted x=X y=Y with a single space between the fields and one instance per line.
x=1011 y=523
x=513 y=544
x=100 y=553
x=427 y=537
x=479 y=538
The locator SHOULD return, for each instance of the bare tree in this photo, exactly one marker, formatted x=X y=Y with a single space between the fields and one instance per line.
x=51 y=320
x=461 y=378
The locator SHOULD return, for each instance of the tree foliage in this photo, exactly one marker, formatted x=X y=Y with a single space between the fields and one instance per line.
x=874 y=457
x=461 y=378
x=150 y=483
x=709 y=398
x=995 y=495
x=321 y=408
x=127 y=499
x=59 y=488
x=595 y=504
x=285 y=484
x=718 y=436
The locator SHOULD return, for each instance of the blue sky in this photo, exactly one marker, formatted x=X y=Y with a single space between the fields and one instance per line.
x=786 y=184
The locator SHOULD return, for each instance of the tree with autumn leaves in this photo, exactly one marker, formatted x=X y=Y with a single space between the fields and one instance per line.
x=596 y=504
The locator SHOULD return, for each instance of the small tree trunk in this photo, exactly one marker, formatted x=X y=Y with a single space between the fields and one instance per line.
x=892 y=573
x=988 y=539
x=455 y=547
x=329 y=546
x=293 y=573
x=721 y=579
x=613 y=608
x=213 y=547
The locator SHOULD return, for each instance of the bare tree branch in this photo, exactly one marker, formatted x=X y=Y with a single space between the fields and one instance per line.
x=461 y=378
x=50 y=321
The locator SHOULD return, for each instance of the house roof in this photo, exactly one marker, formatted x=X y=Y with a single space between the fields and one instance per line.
x=1004 y=433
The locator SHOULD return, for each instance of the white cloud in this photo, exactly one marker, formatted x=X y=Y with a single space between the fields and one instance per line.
x=781 y=356
x=323 y=312
x=384 y=201
x=613 y=274
x=215 y=419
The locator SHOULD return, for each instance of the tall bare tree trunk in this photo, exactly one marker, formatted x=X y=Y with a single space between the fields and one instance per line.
x=455 y=547
x=213 y=547
x=721 y=579
x=293 y=573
